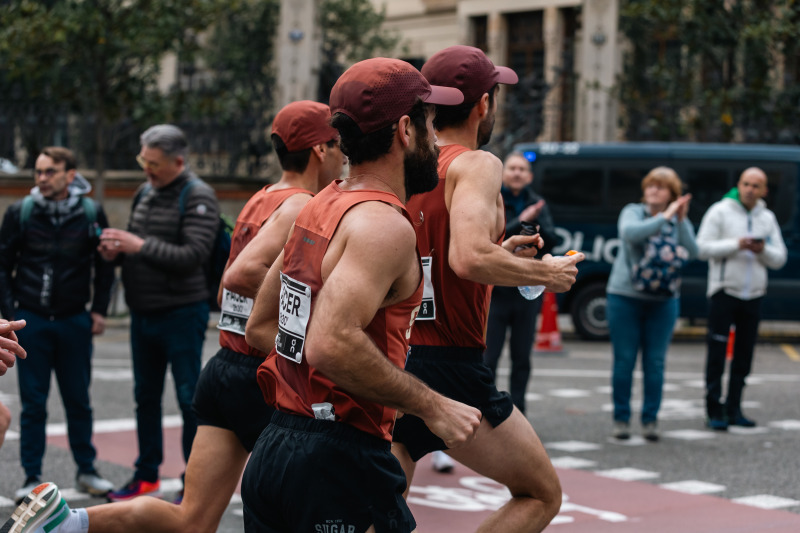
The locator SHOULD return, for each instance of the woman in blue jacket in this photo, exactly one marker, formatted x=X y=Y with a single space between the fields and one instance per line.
x=643 y=293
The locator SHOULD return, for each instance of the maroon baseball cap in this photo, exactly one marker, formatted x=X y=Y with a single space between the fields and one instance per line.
x=468 y=69
x=304 y=124
x=377 y=92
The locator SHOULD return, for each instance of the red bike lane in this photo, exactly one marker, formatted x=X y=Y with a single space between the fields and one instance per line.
x=459 y=501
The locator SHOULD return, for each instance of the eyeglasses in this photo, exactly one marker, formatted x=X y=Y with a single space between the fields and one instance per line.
x=146 y=165
x=49 y=172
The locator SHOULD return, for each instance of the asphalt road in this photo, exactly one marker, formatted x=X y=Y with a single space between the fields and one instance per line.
x=569 y=406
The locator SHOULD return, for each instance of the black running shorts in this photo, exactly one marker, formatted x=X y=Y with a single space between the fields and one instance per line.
x=460 y=374
x=228 y=396
x=309 y=475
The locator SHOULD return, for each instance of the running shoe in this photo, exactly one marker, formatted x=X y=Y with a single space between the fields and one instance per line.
x=43 y=508
x=442 y=462
x=134 y=488
x=93 y=484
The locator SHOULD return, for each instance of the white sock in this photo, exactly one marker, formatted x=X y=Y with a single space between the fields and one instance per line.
x=76 y=521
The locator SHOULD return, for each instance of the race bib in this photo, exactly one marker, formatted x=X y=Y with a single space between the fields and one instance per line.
x=234 y=312
x=427 y=310
x=295 y=310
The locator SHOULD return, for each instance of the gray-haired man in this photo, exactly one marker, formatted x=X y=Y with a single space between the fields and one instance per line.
x=169 y=238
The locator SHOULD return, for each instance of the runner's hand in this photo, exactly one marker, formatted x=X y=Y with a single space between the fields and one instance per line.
x=454 y=422
x=564 y=269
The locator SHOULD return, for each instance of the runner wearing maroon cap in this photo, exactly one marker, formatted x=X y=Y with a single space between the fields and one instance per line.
x=228 y=402
x=460 y=227
x=336 y=308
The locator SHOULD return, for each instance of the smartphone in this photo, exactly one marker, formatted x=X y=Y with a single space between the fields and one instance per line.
x=757 y=240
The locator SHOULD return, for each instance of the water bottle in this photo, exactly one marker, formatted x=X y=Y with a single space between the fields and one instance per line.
x=529 y=292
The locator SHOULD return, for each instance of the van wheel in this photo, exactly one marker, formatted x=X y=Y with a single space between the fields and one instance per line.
x=589 y=312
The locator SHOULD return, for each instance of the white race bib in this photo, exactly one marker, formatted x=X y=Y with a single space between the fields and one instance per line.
x=427 y=310
x=295 y=310
x=234 y=312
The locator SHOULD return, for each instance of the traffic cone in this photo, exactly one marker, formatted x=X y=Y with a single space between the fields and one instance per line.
x=548 y=338
x=731 y=341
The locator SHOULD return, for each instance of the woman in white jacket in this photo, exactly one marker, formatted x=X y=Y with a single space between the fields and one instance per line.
x=740 y=238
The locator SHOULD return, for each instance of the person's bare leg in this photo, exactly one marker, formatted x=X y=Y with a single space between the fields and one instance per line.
x=523 y=467
x=408 y=466
x=212 y=473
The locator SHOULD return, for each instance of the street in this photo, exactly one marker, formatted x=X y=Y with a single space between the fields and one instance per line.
x=693 y=480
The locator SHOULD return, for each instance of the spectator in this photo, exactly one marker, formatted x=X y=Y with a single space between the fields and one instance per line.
x=9 y=348
x=460 y=226
x=163 y=254
x=741 y=239
x=49 y=270
x=508 y=309
x=345 y=290
x=643 y=317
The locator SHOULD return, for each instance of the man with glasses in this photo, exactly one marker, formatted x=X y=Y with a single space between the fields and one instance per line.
x=49 y=269
x=169 y=239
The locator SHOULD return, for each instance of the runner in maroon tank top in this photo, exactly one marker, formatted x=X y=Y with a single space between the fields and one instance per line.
x=337 y=309
x=460 y=226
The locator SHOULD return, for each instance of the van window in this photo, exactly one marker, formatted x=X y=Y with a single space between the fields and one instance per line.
x=624 y=186
x=573 y=189
x=705 y=184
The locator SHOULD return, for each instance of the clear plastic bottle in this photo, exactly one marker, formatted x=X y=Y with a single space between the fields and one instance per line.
x=529 y=292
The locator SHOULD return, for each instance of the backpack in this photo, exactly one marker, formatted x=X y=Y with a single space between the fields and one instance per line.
x=658 y=271
x=220 y=250
x=88 y=208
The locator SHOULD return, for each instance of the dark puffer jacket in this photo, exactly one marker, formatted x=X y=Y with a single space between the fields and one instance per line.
x=54 y=257
x=169 y=270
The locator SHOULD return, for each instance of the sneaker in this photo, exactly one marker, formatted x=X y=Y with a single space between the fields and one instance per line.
x=442 y=462
x=622 y=430
x=31 y=482
x=93 y=484
x=135 y=487
x=650 y=431
x=717 y=424
x=42 y=508
x=741 y=420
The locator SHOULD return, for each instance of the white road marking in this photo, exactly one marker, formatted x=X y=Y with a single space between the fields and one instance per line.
x=693 y=486
x=628 y=474
x=573 y=446
x=766 y=501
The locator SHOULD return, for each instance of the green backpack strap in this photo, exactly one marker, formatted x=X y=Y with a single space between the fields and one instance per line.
x=25 y=211
x=89 y=209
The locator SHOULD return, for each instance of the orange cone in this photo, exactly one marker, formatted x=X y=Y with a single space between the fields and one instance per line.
x=731 y=340
x=548 y=338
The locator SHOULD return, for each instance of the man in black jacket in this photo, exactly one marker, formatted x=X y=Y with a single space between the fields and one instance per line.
x=163 y=253
x=509 y=310
x=49 y=270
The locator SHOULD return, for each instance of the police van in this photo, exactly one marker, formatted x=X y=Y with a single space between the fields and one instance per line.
x=587 y=185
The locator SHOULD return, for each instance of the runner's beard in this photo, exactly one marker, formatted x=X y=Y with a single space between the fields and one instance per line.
x=420 y=168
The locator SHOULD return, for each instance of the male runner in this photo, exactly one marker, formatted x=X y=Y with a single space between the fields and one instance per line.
x=230 y=407
x=342 y=299
x=460 y=228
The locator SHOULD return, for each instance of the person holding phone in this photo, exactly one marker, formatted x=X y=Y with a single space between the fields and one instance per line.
x=741 y=239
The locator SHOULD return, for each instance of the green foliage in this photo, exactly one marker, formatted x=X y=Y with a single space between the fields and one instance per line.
x=709 y=70
x=351 y=31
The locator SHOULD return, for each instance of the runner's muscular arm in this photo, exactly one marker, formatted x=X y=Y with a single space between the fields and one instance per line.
x=474 y=255
x=244 y=275
x=377 y=259
x=262 y=326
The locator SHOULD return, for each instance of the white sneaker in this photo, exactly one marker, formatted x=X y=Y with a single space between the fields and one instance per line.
x=42 y=508
x=93 y=484
x=442 y=462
